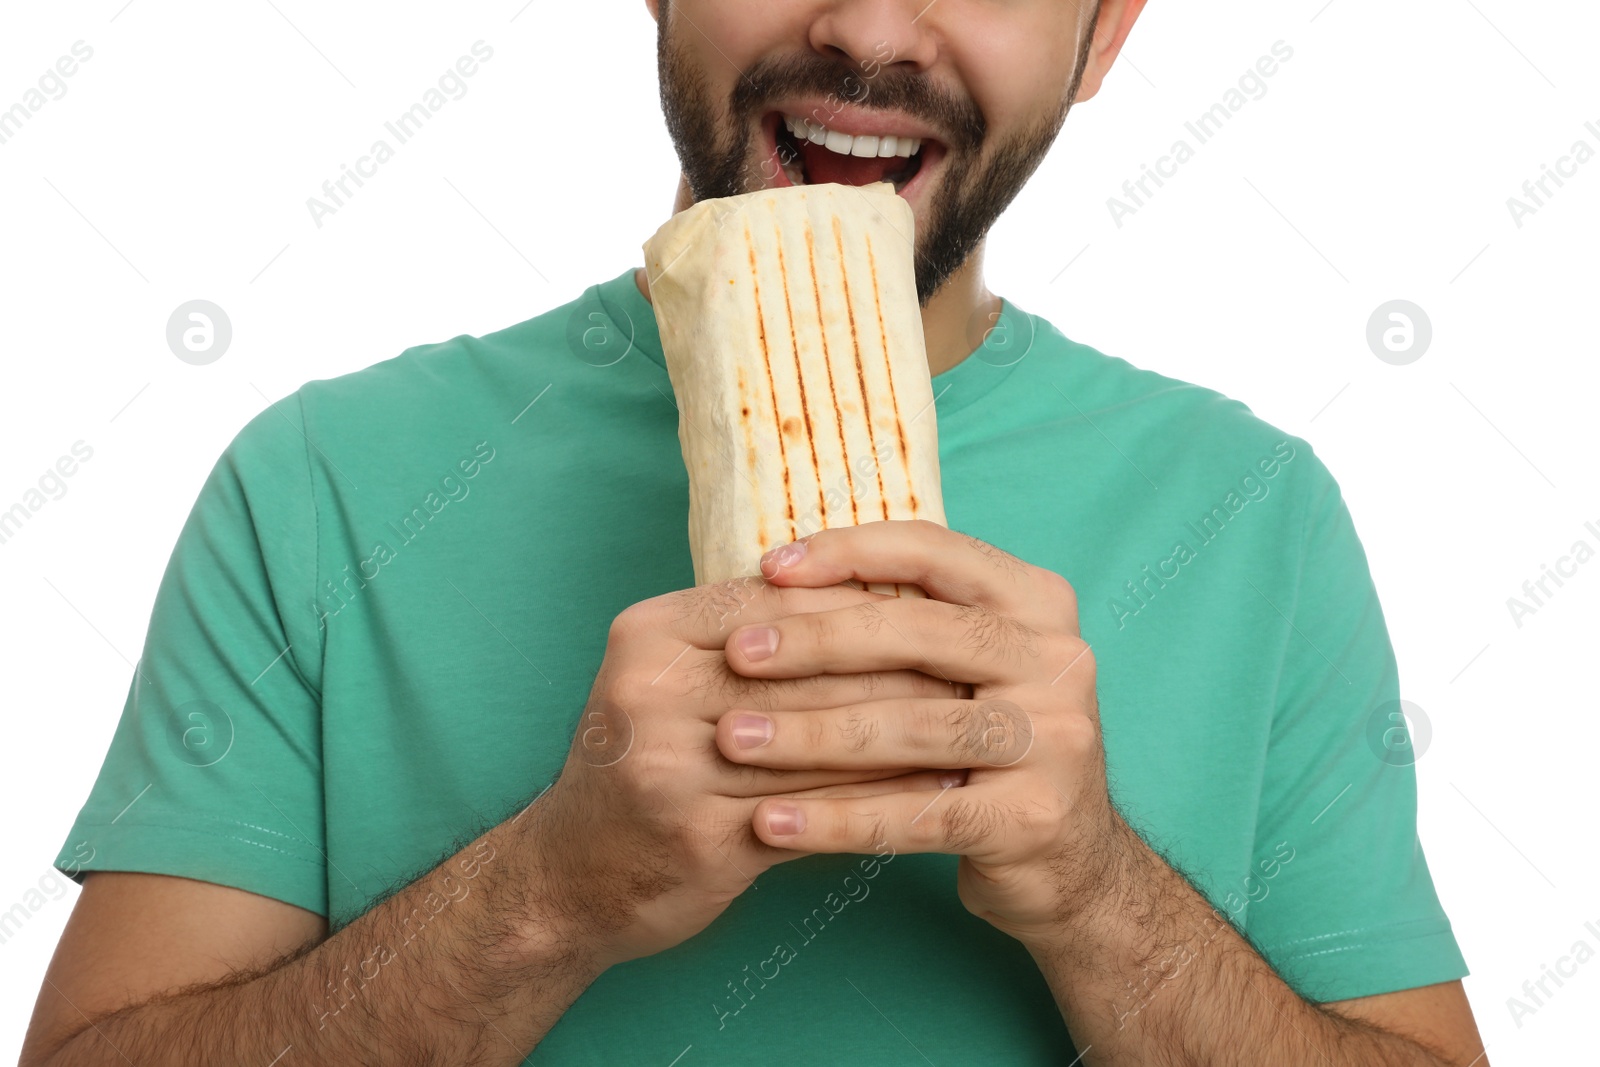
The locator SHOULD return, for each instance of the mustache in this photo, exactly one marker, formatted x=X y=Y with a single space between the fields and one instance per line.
x=961 y=123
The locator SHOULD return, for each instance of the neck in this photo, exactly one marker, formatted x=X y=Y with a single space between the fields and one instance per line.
x=953 y=322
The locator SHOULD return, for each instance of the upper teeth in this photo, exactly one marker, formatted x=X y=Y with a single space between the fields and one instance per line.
x=864 y=144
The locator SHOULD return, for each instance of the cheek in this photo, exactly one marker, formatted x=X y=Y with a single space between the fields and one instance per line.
x=728 y=36
x=1017 y=73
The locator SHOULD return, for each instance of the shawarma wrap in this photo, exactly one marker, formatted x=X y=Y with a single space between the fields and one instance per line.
x=793 y=340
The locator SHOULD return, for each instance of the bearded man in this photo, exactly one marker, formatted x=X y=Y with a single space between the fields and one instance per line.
x=442 y=613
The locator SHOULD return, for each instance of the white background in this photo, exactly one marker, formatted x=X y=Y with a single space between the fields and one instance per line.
x=1377 y=166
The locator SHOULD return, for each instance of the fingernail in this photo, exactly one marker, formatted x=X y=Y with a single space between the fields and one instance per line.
x=751 y=731
x=780 y=557
x=951 y=779
x=757 y=643
x=785 y=820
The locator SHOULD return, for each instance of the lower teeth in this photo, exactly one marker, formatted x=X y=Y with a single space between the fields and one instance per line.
x=794 y=164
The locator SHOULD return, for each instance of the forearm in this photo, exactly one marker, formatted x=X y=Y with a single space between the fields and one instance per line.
x=459 y=967
x=1152 y=974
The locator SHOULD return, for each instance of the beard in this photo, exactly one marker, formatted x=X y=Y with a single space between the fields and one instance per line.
x=715 y=145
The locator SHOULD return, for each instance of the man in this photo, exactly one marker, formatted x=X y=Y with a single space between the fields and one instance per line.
x=796 y=822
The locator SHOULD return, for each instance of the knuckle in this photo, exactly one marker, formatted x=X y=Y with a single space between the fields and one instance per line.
x=631 y=622
x=704 y=838
x=964 y=725
x=685 y=842
x=628 y=786
x=834 y=824
x=922 y=722
x=1081 y=656
x=1002 y=560
x=871 y=681
x=712 y=607
x=1070 y=662
x=876 y=825
x=978 y=628
x=1056 y=586
x=733 y=688
x=815 y=734
x=1022 y=638
x=1036 y=825
x=819 y=631
x=650 y=764
x=629 y=690
x=964 y=824
x=1078 y=734
x=991 y=633
x=857 y=729
x=729 y=598
x=703 y=675
x=926 y=831
x=996 y=732
x=868 y=616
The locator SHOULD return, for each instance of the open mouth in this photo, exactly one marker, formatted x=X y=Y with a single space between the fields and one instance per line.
x=810 y=153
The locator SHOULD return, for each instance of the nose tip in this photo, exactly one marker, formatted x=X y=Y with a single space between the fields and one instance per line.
x=873 y=34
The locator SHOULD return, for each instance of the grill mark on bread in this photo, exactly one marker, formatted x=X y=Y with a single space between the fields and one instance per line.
x=861 y=374
x=751 y=460
x=805 y=407
x=888 y=369
x=827 y=361
x=772 y=387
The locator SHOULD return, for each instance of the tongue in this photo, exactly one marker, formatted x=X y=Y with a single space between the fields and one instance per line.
x=824 y=165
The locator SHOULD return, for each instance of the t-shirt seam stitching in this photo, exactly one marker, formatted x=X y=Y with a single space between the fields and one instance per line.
x=1432 y=921
x=1363 y=945
x=214 y=836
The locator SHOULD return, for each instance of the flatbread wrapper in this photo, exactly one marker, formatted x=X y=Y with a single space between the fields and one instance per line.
x=793 y=340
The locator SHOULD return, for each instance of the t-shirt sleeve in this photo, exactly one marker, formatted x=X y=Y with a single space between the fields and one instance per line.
x=1340 y=900
x=214 y=771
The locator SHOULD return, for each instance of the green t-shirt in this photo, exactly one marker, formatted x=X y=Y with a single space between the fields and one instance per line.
x=380 y=624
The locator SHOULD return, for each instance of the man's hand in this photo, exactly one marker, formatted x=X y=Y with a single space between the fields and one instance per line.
x=646 y=836
x=1045 y=857
x=643 y=840
x=1034 y=823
